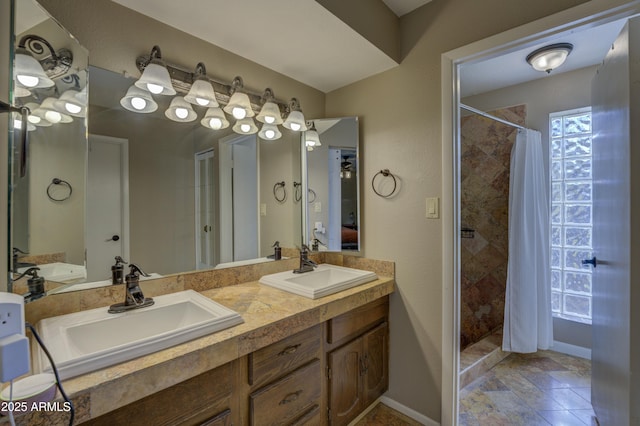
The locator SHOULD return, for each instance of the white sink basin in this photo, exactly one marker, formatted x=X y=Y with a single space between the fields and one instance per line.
x=324 y=280
x=89 y=340
x=60 y=271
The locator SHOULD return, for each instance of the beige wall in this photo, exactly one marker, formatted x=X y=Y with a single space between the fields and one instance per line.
x=5 y=79
x=401 y=125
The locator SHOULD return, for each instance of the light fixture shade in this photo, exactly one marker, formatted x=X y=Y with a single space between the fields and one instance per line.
x=311 y=137
x=295 y=121
x=138 y=100
x=70 y=104
x=549 y=57
x=29 y=72
x=202 y=93
x=21 y=92
x=270 y=114
x=215 y=119
x=239 y=106
x=156 y=79
x=36 y=117
x=270 y=132
x=17 y=123
x=82 y=95
x=180 y=110
x=245 y=126
x=51 y=113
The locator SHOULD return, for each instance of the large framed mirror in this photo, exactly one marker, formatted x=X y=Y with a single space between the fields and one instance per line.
x=158 y=193
x=332 y=198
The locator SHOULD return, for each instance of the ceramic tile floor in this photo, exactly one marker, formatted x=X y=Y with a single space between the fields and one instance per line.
x=381 y=415
x=544 y=388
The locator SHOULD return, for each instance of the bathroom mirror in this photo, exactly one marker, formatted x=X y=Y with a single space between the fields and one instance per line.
x=159 y=193
x=332 y=199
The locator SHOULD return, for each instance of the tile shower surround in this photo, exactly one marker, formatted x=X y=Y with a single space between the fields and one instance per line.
x=485 y=160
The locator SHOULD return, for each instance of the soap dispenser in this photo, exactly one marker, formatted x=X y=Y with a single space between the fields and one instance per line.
x=117 y=271
x=277 y=251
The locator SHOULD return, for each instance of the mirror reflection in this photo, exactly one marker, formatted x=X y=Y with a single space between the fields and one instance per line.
x=333 y=207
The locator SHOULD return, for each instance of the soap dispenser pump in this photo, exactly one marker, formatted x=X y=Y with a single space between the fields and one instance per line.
x=277 y=251
x=117 y=271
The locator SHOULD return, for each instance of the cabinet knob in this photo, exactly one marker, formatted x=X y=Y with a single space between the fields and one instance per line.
x=290 y=398
x=289 y=350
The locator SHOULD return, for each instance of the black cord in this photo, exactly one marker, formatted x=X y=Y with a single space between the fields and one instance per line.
x=55 y=372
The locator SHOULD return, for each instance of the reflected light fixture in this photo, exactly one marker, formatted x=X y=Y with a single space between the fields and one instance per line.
x=295 y=120
x=138 y=100
x=550 y=57
x=51 y=113
x=31 y=73
x=180 y=110
x=201 y=92
x=17 y=123
x=155 y=77
x=311 y=137
x=270 y=132
x=37 y=115
x=70 y=104
x=239 y=104
x=215 y=119
x=245 y=126
x=345 y=168
x=270 y=112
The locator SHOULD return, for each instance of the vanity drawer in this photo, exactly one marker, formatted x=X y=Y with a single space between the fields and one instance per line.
x=278 y=359
x=286 y=400
x=357 y=321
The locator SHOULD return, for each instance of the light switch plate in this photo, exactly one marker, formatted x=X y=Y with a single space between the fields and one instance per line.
x=263 y=209
x=318 y=207
x=433 y=208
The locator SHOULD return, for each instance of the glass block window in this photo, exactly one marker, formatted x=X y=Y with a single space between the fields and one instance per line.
x=571 y=210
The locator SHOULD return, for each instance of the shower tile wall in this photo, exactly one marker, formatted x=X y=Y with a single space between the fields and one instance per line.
x=486 y=151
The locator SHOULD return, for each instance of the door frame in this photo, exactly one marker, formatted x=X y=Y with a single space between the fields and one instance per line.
x=198 y=157
x=589 y=14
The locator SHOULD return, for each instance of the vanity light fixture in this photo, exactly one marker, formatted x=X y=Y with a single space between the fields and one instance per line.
x=270 y=111
x=311 y=137
x=345 y=168
x=51 y=113
x=155 y=77
x=549 y=57
x=270 y=132
x=37 y=115
x=215 y=119
x=245 y=126
x=180 y=110
x=69 y=103
x=295 y=120
x=34 y=74
x=138 y=100
x=201 y=92
x=239 y=104
x=17 y=123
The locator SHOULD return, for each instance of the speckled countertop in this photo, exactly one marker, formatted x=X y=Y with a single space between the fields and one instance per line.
x=269 y=315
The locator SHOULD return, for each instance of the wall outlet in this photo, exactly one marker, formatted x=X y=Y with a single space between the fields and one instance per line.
x=14 y=346
x=11 y=314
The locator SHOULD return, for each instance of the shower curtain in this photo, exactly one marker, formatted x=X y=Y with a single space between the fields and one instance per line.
x=527 y=313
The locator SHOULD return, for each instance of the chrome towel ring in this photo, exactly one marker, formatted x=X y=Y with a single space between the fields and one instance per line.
x=384 y=173
x=56 y=182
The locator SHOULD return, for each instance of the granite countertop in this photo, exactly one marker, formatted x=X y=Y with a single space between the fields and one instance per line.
x=269 y=315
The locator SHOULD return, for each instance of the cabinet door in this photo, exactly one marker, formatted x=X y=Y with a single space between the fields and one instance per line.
x=376 y=353
x=345 y=383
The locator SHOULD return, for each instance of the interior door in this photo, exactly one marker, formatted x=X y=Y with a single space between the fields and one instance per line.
x=107 y=205
x=205 y=208
x=615 y=176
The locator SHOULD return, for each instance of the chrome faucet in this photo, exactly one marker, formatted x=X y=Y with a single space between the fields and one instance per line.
x=133 y=298
x=306 y=264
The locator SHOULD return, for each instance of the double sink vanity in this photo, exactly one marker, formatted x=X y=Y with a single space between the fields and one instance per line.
x=226 y=346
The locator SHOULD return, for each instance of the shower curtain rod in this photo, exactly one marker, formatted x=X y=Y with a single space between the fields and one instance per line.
x=484 y=114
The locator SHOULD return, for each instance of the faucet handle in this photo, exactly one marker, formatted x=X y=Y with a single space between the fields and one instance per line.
x=133 y=268
x=276 y=244
x=17 y=251
x=120 y=260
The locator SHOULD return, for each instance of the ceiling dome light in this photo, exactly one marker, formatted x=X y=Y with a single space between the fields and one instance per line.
x=270 y=112
x=155 y=77
x=239 y=104
x=549 y=57
x=51 y=113
x=180 y=110
x=201 y=92
x=138 y=100
x=295 y=120
x=215 y=119
x=270 y=132
x=246 y=126
x=70 y=104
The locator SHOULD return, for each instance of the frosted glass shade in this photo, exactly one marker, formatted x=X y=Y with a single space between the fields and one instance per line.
x=70 y=104
x=51 y=113
x=180 y=110
x=311 y=137
x=29 y=72
x=37 y=115
x=549 y=57
x=215 y=119
x=138 y=100
x=21 y=92
x=270 y=114
x=202 y=94
x=270 y=132
x=239 y=106
x=156 y=79
x=295 y=121
x=246 y=126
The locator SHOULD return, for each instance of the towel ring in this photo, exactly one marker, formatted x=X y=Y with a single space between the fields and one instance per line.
x=57 y=181
x=312 y=192
x=384 y=173
x=277 y=186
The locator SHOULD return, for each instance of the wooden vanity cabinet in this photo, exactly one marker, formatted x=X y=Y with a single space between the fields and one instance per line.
x=357 y=369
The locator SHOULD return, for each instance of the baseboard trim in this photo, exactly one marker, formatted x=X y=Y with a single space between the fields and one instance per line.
x=574 y=350
x=421 y=418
